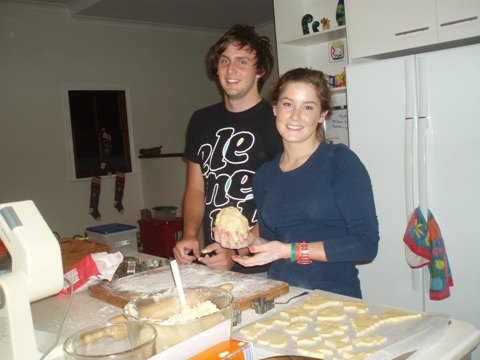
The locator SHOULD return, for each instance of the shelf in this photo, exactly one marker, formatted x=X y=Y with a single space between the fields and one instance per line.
x=336 y=33
x=161 y=156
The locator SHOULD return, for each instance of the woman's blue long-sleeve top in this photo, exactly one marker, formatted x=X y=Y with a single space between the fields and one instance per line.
x=329 y=198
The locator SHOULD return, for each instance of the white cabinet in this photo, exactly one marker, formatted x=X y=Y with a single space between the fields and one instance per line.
x=458 y=19
x=377 y=27
x=296 y=49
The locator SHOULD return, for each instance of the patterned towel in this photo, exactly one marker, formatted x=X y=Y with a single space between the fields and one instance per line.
x=425 y=242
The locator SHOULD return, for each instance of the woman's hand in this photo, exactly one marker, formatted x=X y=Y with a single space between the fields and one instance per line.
x=233 y=241
x=264 y=253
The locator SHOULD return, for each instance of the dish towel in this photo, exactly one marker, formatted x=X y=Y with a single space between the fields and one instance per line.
x=424 y=239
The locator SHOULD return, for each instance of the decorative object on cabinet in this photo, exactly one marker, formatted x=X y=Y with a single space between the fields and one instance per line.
x=340 y=13
x=336 y=51
x=315 y=26
x=307 y=19
x=325 y=23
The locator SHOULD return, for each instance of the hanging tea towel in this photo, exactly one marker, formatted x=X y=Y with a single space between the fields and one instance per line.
x=424 y=239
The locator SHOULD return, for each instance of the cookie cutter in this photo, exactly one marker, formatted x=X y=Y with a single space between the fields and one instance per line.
x=262 y=305
x=236 y=317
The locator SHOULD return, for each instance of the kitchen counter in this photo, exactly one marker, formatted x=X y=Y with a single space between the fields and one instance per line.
x=457 y=342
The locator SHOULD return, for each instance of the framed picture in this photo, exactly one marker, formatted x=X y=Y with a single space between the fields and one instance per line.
x=336 y=51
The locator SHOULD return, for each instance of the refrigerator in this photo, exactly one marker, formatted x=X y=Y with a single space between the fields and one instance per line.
x=414 y=121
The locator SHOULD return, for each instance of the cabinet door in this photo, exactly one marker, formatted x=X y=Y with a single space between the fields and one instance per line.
x=382 y=26
x=458 y=19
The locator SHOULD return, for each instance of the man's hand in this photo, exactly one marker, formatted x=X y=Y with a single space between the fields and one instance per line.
x=184 y=247
x=221 y=261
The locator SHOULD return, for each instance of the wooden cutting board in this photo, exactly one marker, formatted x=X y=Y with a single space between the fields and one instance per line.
x=246 y=288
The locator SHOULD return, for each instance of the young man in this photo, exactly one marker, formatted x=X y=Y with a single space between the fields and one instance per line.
x=226 y=143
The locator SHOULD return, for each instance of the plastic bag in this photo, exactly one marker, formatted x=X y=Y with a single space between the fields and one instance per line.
x=91 y=269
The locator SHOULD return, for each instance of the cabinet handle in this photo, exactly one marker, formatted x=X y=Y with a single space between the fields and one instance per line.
x=448 y=23
x=412 y=31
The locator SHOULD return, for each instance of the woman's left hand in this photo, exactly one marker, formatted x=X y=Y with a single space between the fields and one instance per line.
x=231 y=241
x=264 y=254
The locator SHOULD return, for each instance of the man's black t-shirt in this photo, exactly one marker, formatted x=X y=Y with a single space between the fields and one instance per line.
x=230 y=147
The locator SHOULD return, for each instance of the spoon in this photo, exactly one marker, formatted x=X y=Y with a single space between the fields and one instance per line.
x=178 y=282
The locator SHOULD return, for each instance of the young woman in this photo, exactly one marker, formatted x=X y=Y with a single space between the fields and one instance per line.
x=315 y=203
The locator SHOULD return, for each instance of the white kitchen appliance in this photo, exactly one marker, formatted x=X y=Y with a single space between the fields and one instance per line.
x=415 y=123
x=36 y=273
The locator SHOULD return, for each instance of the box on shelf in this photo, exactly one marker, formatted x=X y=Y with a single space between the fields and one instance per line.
x=165 y=213
x=120 y=237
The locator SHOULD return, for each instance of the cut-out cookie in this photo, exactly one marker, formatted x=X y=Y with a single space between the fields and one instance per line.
x=298 y=314
x=332 y=329
x=370 y=340
x=317 y=302
x=365 y=323
x=306 y=340
x=319 y=351
x=340 y=343
x=295 y=328
x=396 y=315
x=272 y=321
x=251 y=332
x=331 y=314
x=273 y=340
x=355 y=306
x=358 y=355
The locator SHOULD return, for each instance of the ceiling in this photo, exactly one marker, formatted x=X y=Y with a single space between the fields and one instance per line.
x=218 y=15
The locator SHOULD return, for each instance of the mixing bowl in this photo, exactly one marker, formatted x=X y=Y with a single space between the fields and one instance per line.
x=131 y=340
x=158 y=308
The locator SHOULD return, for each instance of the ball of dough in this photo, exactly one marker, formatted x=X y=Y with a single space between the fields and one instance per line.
x=231 y=219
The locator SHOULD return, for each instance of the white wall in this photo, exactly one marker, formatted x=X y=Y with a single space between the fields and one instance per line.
x=42 y=52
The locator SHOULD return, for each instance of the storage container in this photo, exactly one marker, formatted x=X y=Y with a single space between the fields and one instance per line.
x=165 y=213
x=120 y=237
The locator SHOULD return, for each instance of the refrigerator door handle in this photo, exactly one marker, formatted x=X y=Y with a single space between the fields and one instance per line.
x=408 y=136
x=423 y=118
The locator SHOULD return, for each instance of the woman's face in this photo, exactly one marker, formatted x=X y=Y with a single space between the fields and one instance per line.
x=298 y=112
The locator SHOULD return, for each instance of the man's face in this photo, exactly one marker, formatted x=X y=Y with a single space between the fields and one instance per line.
x=237 y=72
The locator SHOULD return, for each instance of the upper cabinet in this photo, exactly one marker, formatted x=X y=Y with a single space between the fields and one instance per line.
x=376 y=27
x=303 y=42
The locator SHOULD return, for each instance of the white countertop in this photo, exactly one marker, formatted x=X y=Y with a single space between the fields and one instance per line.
x=456 y=343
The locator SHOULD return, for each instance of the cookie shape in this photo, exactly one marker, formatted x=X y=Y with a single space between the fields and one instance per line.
x=330 y=330
x=232 y=220
x=340 y=343
x=306 y=340
x=251 y=332
x=396 y=315
x=272 y=321
x=357 y=355
x=317 y=302
x=355 y=306
x=331 y=314
x=295 y=328
x=273 y=340
x=319 y=351
x=370 y=340
x=365 y=323
x=298 y=314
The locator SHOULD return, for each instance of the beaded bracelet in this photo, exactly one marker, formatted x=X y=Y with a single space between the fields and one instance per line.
x=304 y=255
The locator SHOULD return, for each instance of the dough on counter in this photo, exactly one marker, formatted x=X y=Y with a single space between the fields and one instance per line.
x=391 y=315
x=231 y=219
x=273 y=340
